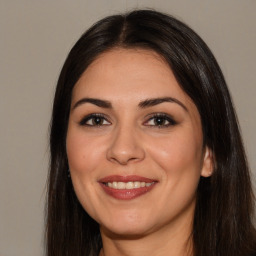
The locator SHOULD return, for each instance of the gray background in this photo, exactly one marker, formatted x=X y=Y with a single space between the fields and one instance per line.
x=35 y=39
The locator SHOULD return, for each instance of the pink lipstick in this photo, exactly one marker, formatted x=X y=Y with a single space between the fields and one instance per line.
x=126 y=187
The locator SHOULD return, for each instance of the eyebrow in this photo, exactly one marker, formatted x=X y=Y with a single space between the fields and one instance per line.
x=143 y=104
x=155 y=101
x=97 y=102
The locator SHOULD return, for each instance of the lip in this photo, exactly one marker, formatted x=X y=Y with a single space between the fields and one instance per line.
x=126 y=179
x=126 y=194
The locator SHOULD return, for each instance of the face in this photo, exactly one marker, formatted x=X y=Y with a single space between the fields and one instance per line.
x=134 y=144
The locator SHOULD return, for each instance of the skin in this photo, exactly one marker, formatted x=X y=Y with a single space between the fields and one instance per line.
x=128 y=141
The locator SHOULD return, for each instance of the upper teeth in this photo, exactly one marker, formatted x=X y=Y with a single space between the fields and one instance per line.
x=128 y=185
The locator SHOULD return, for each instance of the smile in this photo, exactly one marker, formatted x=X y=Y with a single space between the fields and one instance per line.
x=126 y=187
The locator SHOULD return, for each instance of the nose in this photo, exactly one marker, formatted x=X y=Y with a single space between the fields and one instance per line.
x=126 y=146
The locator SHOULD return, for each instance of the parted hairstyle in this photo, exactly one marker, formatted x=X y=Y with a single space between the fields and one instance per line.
x=224 y=205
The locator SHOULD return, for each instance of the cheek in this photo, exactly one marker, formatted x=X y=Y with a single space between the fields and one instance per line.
x=83 y=152
x=83 y=157
x=178 y=155
x=179 y=159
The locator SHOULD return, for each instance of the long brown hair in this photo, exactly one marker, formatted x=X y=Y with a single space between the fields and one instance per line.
x=223 y=215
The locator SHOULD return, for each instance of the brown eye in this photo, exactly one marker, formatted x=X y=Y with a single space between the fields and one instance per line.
x=160 y=121
x=95 y=120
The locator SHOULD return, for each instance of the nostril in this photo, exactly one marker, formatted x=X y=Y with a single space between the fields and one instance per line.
x=126 y=147
x=125 y=158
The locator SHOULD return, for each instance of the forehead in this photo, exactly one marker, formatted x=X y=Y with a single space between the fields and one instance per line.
x=129 y=71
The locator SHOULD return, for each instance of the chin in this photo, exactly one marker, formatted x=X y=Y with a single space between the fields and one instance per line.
x=129 y=226
x=124 y=231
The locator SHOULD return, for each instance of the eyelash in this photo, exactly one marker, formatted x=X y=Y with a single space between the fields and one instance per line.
x=153 y=117
x=164 y=117
x=101 y=117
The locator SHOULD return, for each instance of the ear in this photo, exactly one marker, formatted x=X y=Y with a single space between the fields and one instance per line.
x=208 y=163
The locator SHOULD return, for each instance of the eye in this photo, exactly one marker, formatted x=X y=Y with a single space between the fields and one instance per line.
x=160 y=120
x=94 y=120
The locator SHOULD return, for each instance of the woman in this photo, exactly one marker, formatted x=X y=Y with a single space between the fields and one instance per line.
x=146 y=154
